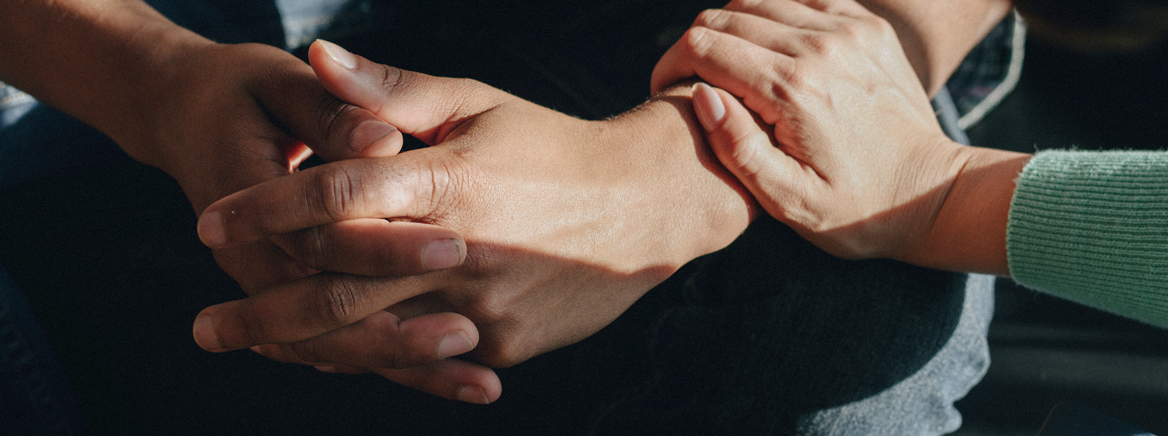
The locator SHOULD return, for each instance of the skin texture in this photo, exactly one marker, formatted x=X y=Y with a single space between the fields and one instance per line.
x=553 y=254
x=935 y=35
x=219 y=118
x=852 y=158
x=506 y=316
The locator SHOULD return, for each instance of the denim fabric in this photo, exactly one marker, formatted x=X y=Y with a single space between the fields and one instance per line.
x=13 y=104
x=771 y=336
x=923 y=403
x=35 y=395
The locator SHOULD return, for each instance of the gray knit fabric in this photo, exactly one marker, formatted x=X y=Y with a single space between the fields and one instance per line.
x=1092 y=227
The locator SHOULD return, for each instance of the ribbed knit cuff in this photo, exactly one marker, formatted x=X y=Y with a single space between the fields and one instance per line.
x=1092 y=227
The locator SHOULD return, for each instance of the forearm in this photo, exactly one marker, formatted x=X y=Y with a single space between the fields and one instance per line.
x=936 y=35
x=97 y=60
x=665 y=140
x=969 y=231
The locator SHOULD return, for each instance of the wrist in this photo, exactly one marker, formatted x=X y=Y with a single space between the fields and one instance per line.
x=969 y=231
x=703 y=206
x=155 y=68
x=96 y=60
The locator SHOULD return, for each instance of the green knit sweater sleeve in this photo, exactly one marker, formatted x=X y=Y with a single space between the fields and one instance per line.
x=1092 y=227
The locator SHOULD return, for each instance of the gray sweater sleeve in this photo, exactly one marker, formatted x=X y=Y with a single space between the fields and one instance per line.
x=1092 y=227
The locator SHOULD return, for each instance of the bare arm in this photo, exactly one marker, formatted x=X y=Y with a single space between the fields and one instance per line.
x=856 y=162
x=220 y=118
x=937 y=34
x=96 y=60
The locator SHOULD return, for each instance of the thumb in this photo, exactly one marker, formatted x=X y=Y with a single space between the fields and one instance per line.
x=745 y=148
x=424 y=106
x=333 y=129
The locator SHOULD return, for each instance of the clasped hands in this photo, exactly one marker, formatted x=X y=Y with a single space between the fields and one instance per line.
x=517 y=231
x=520 y=230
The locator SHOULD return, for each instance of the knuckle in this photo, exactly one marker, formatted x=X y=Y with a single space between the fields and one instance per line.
x=339 y=301
x=853 y=30
x=820 y=43
x=746 y=157
x=333 y=118
x=470 y=94
x=697 y=41
x=392 y=78
x=712 y=18
x=502 y=354
x=443 y=186
x=488 y=309
x=880 y=28
x=336 y=192
x=504 y=347
x=436 y=187
x=788 y=77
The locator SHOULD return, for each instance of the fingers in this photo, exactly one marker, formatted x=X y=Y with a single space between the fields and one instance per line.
x=352 y=189
x=775 y=9
x=424 y=106
x=775 y=26
x=332 y=128
x=382 y=340
x=260 y=265
x=732 y=63
x=452 y=379
x=301 y=310
x=784 y=27
x=746 y=149
x=375 y=247
x=791 y=13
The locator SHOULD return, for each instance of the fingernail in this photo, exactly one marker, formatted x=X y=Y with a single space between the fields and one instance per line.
x=205 y=334
x=442 y=254
x=210 y=229
x=708 y=106
x=454 y=344
x=472 y=394
x=367 y=133
x=340 y=55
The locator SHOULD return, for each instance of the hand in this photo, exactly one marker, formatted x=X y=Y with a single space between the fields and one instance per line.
x=231 y=124
x=220 y=118
x=858 y=164
x=567 y=222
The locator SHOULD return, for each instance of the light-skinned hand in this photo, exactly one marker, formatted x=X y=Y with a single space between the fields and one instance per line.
x=272 y=99
x=567 y=222
x=852 y=156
